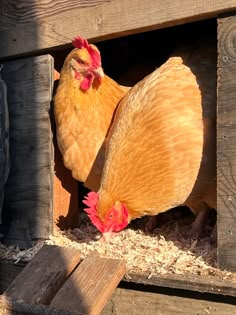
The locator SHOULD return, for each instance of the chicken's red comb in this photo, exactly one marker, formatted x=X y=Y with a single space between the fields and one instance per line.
x=80 y=42
x=91 y=201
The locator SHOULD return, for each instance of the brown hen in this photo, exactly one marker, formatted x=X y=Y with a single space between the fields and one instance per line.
x=161 y=146
x=83 y=108
x=154 y=151
x=201 y=59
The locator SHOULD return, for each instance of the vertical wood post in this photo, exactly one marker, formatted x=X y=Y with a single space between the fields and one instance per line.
x=226 y=143
x=29 y=189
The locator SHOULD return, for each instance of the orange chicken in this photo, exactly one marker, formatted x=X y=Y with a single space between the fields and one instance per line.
x=155 y=147
x=160 y=151
x=201 y=59
x=84 y=104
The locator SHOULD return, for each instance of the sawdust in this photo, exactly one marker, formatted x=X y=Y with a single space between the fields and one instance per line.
x=169 y=250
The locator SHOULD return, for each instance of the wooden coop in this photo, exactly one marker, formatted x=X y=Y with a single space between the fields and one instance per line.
x=41 y=195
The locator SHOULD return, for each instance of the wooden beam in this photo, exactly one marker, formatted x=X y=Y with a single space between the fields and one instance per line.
x=44 y=275
x=125 y=301
x=226 y=143
x=37 y=25
x=29 y=189
x=9 y=270
x=202 y=284
x=90 y=286
x=4 y=142
x=9 y=306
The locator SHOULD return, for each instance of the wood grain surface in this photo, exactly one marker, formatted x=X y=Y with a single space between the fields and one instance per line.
x=38 y=25
x=226 y=143
x=90 y=286
x=44 y=275
x=29 y=189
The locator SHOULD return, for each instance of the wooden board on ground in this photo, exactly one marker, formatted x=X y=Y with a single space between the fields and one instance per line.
x=90 y=286
x=29 y=190
x=9 y=306
x=135 y=302
x=29 y=26
x=226 y=143
x=44 y=275
x=195 y=283
x=8 y=272
x=125 y=301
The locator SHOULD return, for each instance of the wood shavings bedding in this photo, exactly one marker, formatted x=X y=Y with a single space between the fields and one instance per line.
x=169 y=250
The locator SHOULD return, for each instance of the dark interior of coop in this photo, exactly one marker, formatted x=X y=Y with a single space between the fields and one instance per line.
x=128 y=59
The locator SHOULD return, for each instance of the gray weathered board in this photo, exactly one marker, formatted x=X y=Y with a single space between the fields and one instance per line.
x=39 y=281
x=134 y=302
x=55 y=277
x=90 y=286
x=28 y=196
x=226 y=143
x=4 y=141
x=195 y=283
x=125 y=301
x=27 y=26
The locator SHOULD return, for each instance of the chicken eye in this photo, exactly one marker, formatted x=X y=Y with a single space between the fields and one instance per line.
x=81 y=62
x=110 y=216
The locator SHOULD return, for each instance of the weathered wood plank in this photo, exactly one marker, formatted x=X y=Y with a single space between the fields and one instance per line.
x=140 y=302
x=8 y=272
x=28 y=27
x=4 y=141
x=44 y=275
x=196 y=283
x=9 y=306
x=125 y=301
x=151 y=303
x=226 y=143
x=29 y=190
x=90 y=286
x=23 y=11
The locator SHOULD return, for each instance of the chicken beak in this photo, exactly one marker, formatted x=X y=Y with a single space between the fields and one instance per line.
x=99 y=72
x=107 y=236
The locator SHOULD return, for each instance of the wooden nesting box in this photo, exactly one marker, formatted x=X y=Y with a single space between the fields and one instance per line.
x=33 y=37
